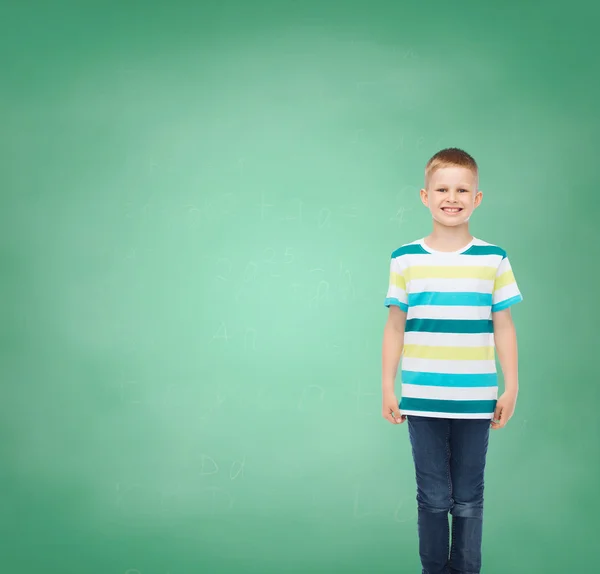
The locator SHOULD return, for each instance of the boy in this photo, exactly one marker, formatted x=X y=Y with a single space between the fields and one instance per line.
x=449 y=301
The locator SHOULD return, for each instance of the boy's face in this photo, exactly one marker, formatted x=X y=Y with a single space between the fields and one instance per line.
x=452 y=195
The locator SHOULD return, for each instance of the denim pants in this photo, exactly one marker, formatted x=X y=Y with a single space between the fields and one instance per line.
x=449 y=457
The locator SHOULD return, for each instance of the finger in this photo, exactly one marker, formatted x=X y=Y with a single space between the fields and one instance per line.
x=498 y=421
x=497 y=412
x=388 y=416
x=400 y=418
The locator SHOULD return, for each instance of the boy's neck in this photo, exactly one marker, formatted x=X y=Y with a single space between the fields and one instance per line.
x=448 y=238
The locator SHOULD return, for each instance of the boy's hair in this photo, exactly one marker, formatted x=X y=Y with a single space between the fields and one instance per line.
x=450 y=157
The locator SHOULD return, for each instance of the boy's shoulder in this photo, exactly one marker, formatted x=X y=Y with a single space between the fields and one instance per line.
x=413 y=248
x=477 y=247
x=481 y=247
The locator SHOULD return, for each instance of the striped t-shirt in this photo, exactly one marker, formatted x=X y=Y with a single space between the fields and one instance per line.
x=448 y=362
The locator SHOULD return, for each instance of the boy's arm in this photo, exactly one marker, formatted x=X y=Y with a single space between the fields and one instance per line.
x=396 y=300
x=393 y=345
x=505 y=338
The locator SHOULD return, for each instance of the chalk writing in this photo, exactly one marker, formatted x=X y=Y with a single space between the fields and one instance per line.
x=288 y=256
x=298 y=212
x=246 y=336
x=324 y=218
x=347 y=289
x=237 y=468
x=271 y=260
x=398 y=218
x=221 y=333
x=321 y=294
x=208 y=465
x=263 y=206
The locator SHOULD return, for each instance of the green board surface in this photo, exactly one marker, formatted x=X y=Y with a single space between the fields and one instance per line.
x=199 y=202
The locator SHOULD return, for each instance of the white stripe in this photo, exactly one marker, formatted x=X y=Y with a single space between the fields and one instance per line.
x=449 y=312
x=450 y=393
x=504 y=266
x=505 y=292
x=451 y=285
x=397 y=293
x=441 y=415
x=449 y=339
x=396 y=265
x=444 y=261
x=448 y=367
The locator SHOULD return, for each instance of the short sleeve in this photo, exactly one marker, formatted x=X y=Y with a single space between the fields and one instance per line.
x=506 y=291
x=396 y=293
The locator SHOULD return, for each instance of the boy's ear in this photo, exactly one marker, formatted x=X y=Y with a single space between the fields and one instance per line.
x=423 y=193
x=478 y=197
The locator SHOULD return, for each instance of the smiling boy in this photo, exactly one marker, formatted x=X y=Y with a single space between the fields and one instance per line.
x=449 y=300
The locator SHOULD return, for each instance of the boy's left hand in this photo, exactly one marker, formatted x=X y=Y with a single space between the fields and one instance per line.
x=505 y=407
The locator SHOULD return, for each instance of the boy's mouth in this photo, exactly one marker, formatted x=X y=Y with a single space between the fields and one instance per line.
x=452 y=209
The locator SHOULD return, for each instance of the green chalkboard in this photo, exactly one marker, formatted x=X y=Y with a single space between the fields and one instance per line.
x=199 y=202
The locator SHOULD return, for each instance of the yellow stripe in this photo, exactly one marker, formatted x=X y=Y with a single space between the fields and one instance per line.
x=449 y=272
x=449 y=353
x=397 y=280
x=505 y=279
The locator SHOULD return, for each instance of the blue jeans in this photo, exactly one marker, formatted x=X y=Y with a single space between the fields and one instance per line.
x=449 y=457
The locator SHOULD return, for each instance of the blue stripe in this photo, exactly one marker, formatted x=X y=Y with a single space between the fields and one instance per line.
x=506 y=303
x=442 y=406
x=450 y=379
x=411 y=249
x=485 y=250
x=449 y=326
x=393 y=301
x=472 y=299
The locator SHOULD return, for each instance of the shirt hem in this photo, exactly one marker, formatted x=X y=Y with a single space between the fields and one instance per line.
x=441 y=415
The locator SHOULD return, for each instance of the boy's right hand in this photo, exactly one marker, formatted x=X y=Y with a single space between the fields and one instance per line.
x=390 y=409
